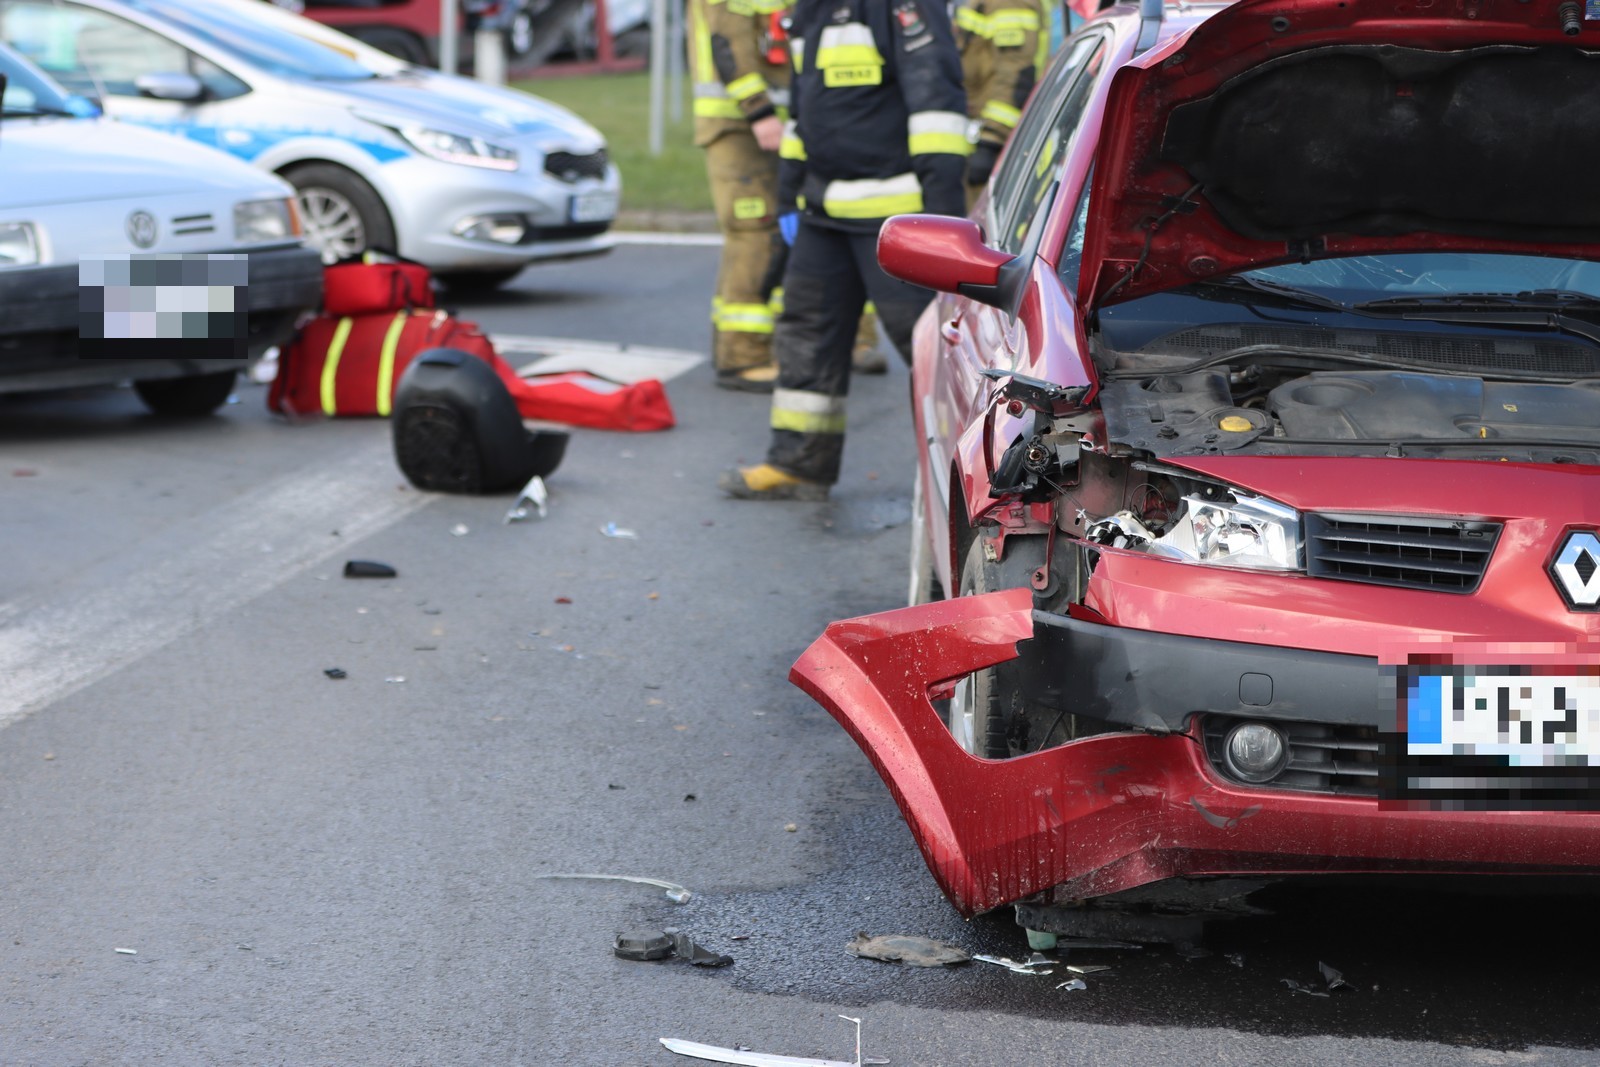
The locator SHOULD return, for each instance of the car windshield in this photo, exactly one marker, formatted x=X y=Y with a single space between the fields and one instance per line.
x=29 y=92
x=259 y=39
x=1432 y=276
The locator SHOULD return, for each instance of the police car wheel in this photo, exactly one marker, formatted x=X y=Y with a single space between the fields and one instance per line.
x=190 y=397
x=342 y=215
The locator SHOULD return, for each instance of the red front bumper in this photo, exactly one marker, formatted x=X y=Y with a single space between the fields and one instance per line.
x=1115 y=811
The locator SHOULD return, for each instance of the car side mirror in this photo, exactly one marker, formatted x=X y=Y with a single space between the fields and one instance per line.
x=948 y=255
x=170 y=85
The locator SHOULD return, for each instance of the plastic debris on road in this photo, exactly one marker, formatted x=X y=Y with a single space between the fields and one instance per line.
x=664 y=944
x=368 y=568
x=908 y=949
x=533 y=500
x=1073 y=984
x=126 y=951
x=675 y=892
x=335 y=672
x=460 y=529
x=1038 y=966
x=1332 y=979
x=611 y=529
x=751 y=1058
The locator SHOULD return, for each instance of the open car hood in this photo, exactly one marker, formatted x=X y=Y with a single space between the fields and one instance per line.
x=1292 y=130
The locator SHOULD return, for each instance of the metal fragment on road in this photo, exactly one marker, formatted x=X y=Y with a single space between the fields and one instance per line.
x=1333 y=976
x=1301 y=987
x=368 y=568
x=675 y=892
x=533 y=496
x=335 y=672
x=126 y=951
x=908 y=949
x=1020 y=967
x=611 y=529
x=1085 y=968
x=1074 y=984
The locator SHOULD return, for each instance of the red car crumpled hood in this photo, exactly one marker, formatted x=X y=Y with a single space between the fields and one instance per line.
x=1287 y=130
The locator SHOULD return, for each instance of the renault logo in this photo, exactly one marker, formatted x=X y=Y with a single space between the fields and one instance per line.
x=1576 y=571
x=142 y=228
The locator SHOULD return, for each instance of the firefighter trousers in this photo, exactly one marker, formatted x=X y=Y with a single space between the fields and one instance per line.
x=744 y=191
x=831 y=275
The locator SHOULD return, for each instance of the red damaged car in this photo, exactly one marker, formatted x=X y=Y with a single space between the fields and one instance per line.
x=1259 y=417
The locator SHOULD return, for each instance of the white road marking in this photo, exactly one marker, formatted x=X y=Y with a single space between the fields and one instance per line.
x=650 y=237
x=620 y=363
x=155 y=592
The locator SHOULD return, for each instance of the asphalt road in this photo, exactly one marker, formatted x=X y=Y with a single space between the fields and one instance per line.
x=318 y=871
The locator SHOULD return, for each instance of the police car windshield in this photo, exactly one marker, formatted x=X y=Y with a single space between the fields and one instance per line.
x=28 y=92
x=257 y=41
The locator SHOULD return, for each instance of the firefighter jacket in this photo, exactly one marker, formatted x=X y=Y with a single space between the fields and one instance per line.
x=879 y=118
x=741 y=65
x=1004 y=45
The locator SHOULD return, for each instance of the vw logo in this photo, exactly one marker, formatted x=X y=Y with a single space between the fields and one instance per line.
x=1576 y=571
x=142 y=228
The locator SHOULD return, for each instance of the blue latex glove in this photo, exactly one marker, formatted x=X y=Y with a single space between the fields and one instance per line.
x=789 y=226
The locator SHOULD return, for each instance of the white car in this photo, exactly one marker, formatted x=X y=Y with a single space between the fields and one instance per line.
x=79 y=188
x=472 y=180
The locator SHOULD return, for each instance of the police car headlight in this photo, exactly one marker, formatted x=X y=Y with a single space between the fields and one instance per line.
x=255 y=221
x=19 y=244
x=458 y=148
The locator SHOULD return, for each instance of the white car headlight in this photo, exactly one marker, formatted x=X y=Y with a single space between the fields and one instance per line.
x=1248 y=531
x=458 y=148
x=19 y=244
x=264 y=220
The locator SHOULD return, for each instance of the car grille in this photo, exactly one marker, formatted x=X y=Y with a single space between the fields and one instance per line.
x=569 y=168
x=191 y=224
x=1340 y=759
x=1431 y=349
x=1443 y=555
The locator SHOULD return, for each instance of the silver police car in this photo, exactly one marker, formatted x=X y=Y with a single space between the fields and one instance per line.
x=473 y=180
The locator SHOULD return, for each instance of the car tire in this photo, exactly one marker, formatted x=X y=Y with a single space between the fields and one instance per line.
x=187 y=398
x=988 y=714
x=398 y=43
x=476 y=282
x=341 y=213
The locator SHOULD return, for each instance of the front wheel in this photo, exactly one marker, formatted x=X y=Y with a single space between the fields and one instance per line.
x=988 y=714
x=190 y=397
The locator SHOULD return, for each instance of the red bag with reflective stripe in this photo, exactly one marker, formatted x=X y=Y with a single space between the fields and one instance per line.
x=365 y=288
x=350 y=366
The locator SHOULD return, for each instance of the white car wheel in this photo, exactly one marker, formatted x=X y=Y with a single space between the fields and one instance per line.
x=332 y=223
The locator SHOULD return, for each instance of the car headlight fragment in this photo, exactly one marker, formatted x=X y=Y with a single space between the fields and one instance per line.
x=1244 y=531
x=19 y=244
x=264 y=220
x=458 y=148
x=1249 y=531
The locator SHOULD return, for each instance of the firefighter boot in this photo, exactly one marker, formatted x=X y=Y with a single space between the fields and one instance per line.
x=867 y=356
x=766 y=482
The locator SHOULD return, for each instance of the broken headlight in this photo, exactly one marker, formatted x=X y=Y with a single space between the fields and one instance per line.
x=1244 y=531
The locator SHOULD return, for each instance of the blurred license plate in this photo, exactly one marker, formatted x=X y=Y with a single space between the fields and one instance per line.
x=1532 y=720
x=594 y=207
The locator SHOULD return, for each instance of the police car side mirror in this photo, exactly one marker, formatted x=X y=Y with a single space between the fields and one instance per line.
x=170 y=85
x=948 y=255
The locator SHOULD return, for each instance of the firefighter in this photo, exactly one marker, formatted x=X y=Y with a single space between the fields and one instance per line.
x=741 y=77
x=879 y=129
x=1004 y=45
